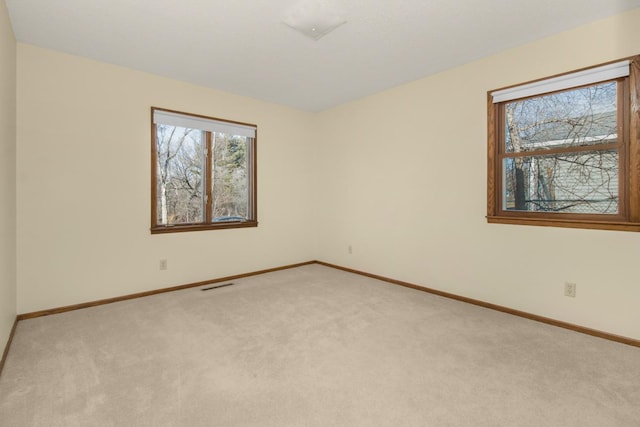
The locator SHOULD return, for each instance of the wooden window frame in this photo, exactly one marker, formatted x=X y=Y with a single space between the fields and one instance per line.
x=252 y=221
x=628 y=145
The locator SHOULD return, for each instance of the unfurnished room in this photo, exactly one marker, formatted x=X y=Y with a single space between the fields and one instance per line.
x=319 y=213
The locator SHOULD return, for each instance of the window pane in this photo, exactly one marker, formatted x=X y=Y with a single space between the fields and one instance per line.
x=578 y=117
x=230 y=177
x=180 y=175
x=585 y=182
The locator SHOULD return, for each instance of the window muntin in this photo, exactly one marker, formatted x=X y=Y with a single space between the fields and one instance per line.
x=569 y=156
x=203 y=173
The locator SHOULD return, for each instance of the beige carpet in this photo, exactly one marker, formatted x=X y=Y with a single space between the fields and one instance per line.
x=311 y=346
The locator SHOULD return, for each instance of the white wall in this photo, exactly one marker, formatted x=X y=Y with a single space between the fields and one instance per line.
x=83 y=182
x=405 y=185
x=7 y=176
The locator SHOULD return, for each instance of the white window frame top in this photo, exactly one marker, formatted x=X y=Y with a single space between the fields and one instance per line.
x=567 y=81
x=172 y=118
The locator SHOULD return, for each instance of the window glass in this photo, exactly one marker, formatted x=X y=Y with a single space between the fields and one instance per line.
x=570 y=180
x=585 y=182
x=230 y=173
x=181 y=156
x=573 y=118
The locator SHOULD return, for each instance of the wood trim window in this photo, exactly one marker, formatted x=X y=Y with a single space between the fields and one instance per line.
x=203 y=172
x=564 y=151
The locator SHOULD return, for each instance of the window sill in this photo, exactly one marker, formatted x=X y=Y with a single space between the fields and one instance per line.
x=566 y=223
x=202 y=227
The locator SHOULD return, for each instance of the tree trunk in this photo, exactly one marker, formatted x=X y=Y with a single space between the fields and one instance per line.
x=521 y=203
x=520 y=199
x=163 y=202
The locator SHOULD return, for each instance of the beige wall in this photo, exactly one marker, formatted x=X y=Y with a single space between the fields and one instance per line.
x=83 y=178
x=400 y=176
x=7 y=176
x=405 y=186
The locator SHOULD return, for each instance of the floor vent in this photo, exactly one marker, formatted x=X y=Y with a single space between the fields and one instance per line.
x=216 y=287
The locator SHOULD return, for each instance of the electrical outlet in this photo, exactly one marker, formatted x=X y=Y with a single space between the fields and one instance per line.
x=350 y=249
x=163 y=264
x=569 y=289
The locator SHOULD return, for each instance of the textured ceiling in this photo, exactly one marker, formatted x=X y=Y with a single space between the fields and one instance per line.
x=242 y=46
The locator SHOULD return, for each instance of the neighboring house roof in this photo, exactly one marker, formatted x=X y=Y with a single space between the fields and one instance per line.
x=576 y=131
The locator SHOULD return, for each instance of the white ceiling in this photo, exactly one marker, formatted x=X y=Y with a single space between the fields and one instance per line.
x=242 y=46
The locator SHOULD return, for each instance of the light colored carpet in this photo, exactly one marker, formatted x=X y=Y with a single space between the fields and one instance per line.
x=311 y=346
